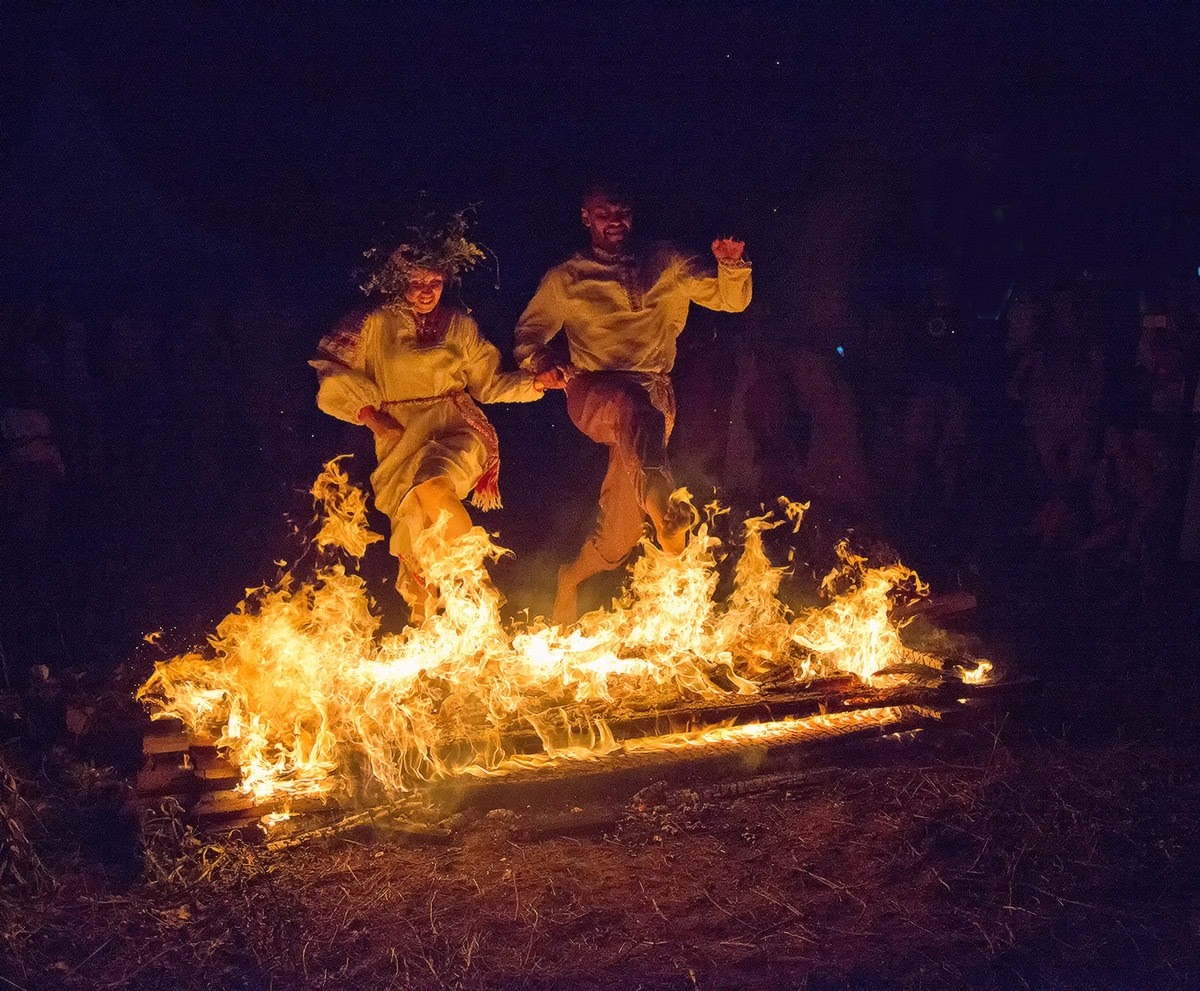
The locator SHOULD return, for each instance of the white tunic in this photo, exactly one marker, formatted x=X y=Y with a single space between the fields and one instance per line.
x=625 y=314
x=381 y=363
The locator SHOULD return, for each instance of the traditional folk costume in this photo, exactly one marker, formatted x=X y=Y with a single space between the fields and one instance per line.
x=621 y=316
x=426 y=371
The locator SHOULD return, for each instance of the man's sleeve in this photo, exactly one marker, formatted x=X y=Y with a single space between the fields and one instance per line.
x=728 y=290
x=542 y=319
x=344 y=387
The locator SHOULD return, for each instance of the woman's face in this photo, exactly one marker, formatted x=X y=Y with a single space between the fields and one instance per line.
x=424 y=290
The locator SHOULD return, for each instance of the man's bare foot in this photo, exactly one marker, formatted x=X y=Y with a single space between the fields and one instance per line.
x=566 y=598
x=672 y=524
x=673 y=542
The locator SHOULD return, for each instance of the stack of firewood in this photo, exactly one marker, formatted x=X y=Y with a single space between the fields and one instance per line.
x=182 y=766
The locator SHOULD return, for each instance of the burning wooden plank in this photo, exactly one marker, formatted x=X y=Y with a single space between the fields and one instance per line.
x=724 y=755
x=718 y=752
x=755 y=728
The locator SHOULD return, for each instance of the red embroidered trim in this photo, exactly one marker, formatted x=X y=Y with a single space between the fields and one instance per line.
x=487 y=488
x=344 y=343
x=431 y=327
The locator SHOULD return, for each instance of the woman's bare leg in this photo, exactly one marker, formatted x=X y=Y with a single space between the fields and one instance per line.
x=432 y=498
x=437 y=496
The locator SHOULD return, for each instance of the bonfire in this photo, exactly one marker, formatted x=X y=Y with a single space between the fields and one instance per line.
x=305 y=698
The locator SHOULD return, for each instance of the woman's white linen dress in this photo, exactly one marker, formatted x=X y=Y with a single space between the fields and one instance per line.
x=426 y=372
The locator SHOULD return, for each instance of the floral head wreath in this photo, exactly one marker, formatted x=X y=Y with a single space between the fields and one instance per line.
x=440 y=247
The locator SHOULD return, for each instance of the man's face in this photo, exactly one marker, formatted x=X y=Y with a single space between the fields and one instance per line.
x=609 y=222
x=424 y=290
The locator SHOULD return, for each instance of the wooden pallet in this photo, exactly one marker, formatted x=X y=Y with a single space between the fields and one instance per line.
x=190 y=770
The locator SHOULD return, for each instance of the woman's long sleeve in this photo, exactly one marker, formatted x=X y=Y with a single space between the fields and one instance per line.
x=539 y=323
x=343 y=392
x=485 y=381
x=344 y=387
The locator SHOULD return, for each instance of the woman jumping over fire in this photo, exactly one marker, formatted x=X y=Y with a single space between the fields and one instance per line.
x=411 y=370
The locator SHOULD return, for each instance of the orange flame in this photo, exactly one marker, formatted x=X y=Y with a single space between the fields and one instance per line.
x=306 y=699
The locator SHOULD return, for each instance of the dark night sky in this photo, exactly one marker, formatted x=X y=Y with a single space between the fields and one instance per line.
x=287 y=130
x=233 y=159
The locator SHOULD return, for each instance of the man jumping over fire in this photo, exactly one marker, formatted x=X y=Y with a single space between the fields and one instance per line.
x=411 y=371
x=621 y=306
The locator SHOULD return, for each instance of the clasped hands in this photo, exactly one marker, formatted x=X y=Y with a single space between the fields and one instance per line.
x=553 y=377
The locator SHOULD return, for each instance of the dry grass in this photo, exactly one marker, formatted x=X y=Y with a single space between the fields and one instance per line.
x=1019 y=864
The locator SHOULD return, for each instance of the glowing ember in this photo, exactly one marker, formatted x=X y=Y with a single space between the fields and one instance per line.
x=304 y=697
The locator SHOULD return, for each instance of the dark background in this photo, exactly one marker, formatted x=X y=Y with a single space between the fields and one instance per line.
x=208 y=174
x=269 y=138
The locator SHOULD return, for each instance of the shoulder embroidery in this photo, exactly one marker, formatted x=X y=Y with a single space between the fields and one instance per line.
x=344 y=343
